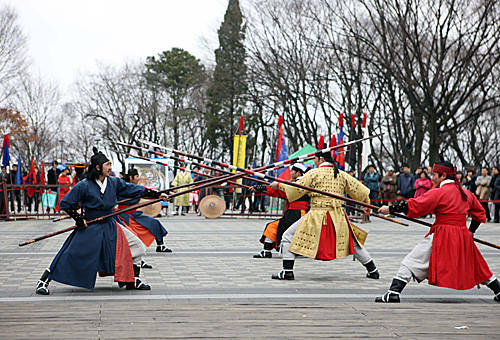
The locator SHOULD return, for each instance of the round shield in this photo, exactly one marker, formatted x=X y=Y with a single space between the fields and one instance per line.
x=212 y=206
x=151 y=210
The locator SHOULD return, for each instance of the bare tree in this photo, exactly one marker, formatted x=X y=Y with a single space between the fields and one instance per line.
x=439 y=53
x=13 y=60
x=38 y=103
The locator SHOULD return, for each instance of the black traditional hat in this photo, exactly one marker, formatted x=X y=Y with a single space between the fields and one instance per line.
x=98 y=158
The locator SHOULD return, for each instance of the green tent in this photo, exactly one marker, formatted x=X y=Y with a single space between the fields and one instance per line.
x=308 y=148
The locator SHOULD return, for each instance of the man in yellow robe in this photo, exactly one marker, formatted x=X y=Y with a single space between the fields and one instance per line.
x=325 y=232
x=182 y=201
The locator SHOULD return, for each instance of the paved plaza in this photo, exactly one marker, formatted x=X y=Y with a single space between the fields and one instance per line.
x=211 y=287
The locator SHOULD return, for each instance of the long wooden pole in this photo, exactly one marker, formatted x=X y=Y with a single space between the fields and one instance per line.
x=376 y=215
x=289 y=161
x=300 y=186
x=186 y=169
x=228 y=172
x=135 y=206
x=162 y=191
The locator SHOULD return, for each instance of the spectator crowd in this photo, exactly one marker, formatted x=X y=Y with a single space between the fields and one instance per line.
x=28 y=191
x=36 y=191
x=406 y=184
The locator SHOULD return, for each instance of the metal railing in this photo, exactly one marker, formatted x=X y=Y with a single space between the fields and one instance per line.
x=16 y=201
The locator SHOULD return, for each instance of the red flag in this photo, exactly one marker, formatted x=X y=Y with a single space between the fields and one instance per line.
x=31 y=179
x=280 y=144
x=42 y=174
x=341 y=120
x=321 y=142
x=353 y=118
x=6 y=141
x=333 y=142
x=241 y=127
x=281 y=151
x=364 y=120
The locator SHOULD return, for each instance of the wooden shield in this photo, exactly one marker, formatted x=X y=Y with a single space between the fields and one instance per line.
x=151 y=210
x=212 y=206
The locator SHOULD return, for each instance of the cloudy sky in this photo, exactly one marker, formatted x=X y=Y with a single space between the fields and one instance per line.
x=67 y=37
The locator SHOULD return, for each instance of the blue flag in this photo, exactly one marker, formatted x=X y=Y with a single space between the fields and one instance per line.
x=19 y=176
x=6 y=155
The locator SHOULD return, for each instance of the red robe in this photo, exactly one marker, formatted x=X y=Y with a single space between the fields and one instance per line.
x=455 y=261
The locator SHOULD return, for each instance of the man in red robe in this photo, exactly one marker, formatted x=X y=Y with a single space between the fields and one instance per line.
x=447 y=256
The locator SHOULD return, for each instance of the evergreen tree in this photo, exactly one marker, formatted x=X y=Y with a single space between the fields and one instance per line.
x=228 y=89
x=176 y=72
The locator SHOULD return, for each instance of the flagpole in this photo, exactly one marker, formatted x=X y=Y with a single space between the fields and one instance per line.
x=237 y=155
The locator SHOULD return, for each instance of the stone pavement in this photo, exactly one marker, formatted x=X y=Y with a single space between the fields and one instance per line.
x=211 y=287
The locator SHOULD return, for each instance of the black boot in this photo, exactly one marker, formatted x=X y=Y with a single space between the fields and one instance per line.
x=42 y=287
x=161 y=248
x=263 y=254
x=266 y=252
x=146 y=265
x=286 y=273
x=372 y=270
x=495 y=287
x=138 y=284
x=392 y=294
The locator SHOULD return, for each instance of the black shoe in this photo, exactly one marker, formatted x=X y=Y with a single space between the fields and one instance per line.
x=138 y=285
x=495 y=287
x=146 y=265
x=263 y=254
x=372 y=270
x=284 y=275
x=392 y=294
x=388 y=298
x=163 y=249
x=123 y=284
x=42 y=287
x=183 y=214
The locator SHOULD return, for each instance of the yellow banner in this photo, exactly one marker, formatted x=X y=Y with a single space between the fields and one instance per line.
x=239 y=150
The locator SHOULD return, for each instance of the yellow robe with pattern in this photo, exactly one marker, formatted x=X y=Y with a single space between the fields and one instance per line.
x=306 y=239
x=180 y=179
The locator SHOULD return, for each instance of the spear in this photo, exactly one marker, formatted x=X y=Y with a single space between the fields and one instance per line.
x=228 y=172
x=301 y=158
x=300 y=186
x=255 y=179
x=376 y=215
x=136 y=206
x=162 y=191
x=185 y=169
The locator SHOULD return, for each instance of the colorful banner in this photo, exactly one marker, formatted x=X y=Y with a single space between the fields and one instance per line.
x=239 y=150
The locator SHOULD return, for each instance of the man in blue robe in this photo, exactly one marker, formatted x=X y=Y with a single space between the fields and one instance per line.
x=105 y=247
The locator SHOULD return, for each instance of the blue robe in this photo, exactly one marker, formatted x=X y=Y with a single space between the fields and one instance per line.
x=152 y=224
x=92 y=250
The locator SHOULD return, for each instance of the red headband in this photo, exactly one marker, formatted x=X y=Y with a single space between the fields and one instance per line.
x=442 y=169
